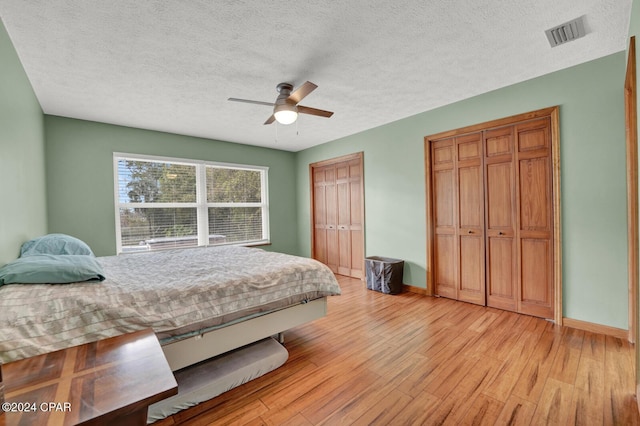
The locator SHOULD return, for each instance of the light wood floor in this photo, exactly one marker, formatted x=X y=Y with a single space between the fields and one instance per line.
x=411 y=359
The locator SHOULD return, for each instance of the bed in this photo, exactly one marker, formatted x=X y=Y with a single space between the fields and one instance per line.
x=200 y=302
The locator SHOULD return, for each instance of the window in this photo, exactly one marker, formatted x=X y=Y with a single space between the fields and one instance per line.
x=166 y=203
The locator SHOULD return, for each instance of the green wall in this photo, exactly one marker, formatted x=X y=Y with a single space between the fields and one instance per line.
x=22 y=189
x=593 y=181
x=80 y=180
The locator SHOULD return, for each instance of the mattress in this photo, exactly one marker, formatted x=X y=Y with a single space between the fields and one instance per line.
x=175 y=292
x=211 y=378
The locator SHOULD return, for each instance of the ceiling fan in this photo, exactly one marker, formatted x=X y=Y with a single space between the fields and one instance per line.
x=286 y=108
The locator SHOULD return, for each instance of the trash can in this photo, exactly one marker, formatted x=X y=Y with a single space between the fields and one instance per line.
x=384 y=274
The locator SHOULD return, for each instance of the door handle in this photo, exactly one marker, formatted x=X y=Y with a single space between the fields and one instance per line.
x=470 y=232
x=500 y=233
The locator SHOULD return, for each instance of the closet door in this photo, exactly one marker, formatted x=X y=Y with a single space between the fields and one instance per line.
x=344 y=218
x=325 y=216
x=445 y=244
x=458 y=200
x=501 y=219
x=491 y=214
x=331 y=201
x=349 y=218
x=319 y=216
x=356 y=187
x=350 y=250
x=470 y=223
x=338 y=219
x=535 y=217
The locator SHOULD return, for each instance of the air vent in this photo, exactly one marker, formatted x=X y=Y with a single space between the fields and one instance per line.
x=566 y=32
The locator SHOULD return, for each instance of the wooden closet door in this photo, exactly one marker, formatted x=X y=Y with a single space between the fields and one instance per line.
x=331 y=202
x=458 y=201
x=535 y=218
x=349 y=218
x=325 y=216
x=470 y=219
x=344 y=218
x=338 y=217
x=445 y=244
x=319 y=215
x=350 y=237
x=356 y=226
x=491 y=219
x=500 y=218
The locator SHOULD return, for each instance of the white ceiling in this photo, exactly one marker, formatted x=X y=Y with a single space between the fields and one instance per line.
x=171 y=65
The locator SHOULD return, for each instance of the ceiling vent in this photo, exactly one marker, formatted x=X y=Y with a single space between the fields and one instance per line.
x=566 y=32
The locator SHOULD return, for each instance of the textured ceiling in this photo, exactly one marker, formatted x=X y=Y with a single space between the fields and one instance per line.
x=171 y=65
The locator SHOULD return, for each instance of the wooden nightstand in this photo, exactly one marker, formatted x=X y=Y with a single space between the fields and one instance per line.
x=108 y=382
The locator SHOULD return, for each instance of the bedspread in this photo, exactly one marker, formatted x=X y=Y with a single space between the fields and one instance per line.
x=174 y=292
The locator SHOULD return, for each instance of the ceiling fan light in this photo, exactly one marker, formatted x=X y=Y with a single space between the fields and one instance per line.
x=286 y=113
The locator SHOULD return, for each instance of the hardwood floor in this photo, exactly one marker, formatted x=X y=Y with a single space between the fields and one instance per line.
x=412 y=359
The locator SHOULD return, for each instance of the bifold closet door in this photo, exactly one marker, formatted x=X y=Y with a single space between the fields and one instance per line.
x=492 y=212
x=350 y=250
x=470 y=226
x=338 y=228
x=444 y=218
x=501 y=218
x=325 y=217
x=459 y=218
x=535 y=218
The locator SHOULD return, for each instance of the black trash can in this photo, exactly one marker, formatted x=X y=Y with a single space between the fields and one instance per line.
x=384 y=274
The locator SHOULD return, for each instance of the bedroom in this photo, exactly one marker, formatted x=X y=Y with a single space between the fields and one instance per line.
x=43 y=173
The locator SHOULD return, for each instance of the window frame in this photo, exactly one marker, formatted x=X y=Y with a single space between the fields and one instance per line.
x=201 y=205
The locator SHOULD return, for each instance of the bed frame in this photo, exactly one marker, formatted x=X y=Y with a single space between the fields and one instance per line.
x=194 y=349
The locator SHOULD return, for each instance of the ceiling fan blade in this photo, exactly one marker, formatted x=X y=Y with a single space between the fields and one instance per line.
x=314 y=111
x=302 y=91
x=247 y=101
x=270 y=119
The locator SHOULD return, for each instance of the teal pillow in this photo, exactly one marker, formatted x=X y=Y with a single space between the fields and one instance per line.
x=51 y=269
x=55 y=244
